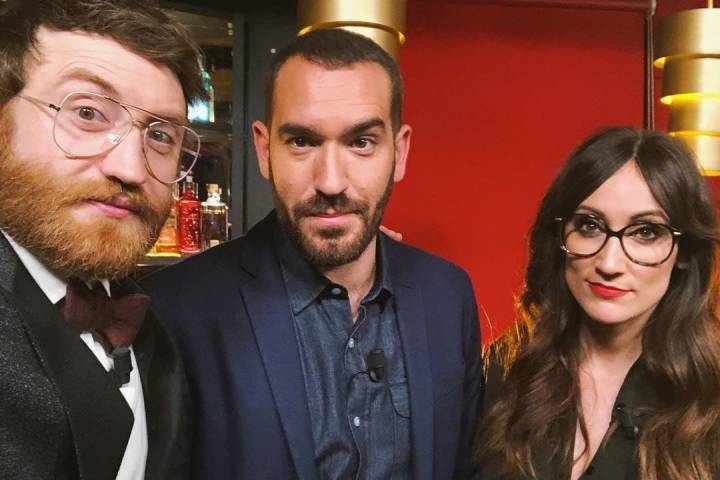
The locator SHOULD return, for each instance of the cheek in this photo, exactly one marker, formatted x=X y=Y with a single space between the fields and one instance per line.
x=370 y=182
x=291 y=186
x=655 y=283
x=158 y=193
x=574 y=274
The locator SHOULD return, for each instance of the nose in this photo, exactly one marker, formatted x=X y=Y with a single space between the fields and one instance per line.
x=126 y=162
x=611 y=260
x=330 y=175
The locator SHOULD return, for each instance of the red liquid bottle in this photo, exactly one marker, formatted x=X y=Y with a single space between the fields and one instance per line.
x=188 y=210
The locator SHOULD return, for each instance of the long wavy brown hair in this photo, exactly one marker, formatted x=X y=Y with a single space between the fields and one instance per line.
x=540 y=397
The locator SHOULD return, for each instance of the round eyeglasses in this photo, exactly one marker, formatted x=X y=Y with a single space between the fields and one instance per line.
x=645 y=243
x=90 y=124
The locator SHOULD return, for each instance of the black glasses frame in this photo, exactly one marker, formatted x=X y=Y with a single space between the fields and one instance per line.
x=619 y=234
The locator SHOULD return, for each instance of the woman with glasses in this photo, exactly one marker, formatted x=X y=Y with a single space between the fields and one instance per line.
x=613 y=371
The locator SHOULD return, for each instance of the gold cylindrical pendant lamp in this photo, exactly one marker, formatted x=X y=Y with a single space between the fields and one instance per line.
x=702 y=117
x=706 y=149
x=691 y=76
x=687 y=33
x=381 y=20
x=687 y=47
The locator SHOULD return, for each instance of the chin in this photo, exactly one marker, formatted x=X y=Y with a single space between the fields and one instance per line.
x=609 y=315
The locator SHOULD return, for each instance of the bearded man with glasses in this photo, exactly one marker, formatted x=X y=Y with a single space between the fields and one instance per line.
x=93 y=133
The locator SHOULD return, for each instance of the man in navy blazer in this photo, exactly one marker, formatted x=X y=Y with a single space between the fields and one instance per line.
x=316 y=346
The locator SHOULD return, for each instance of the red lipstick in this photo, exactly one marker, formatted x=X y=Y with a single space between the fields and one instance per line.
x=606 y=291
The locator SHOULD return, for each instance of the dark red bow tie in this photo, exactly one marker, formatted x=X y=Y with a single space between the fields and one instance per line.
x=115 y=320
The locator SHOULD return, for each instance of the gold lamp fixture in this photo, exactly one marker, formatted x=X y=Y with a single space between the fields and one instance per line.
x=381 y=20
x=687 y=48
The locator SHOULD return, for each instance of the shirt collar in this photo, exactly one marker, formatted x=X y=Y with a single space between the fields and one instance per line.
x=52 y=286
x=304 y=283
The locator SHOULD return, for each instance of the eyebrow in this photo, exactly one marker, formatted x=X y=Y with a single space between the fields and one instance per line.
x=90 y=77
x=637 y=216
x=363 y=127
x=297 y=130
x=109 y=90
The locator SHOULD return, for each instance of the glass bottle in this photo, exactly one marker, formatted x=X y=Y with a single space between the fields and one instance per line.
x=188 y=211
x=214 y=218
x=167 y=242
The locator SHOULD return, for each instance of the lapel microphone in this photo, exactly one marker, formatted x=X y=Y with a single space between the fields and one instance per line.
x=123 y=365
x=376 y=365
x=626 y=416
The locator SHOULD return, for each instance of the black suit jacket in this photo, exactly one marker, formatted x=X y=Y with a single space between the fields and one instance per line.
x=61 y=414
x=230 y=311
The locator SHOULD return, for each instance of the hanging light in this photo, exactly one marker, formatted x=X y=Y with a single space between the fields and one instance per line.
x=381 y=20
x=687 y=48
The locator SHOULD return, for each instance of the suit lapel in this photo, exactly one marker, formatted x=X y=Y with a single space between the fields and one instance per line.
x=99 y=417
x=165 y=392
x=411 y=321
x=268 y=308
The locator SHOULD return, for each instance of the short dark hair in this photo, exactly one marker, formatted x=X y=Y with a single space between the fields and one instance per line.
x=334 y=49
x=139 y=25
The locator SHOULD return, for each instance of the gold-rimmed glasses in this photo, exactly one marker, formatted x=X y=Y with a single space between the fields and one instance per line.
x=89 y=124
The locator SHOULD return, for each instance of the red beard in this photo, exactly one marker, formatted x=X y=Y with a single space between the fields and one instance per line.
x=36 y=211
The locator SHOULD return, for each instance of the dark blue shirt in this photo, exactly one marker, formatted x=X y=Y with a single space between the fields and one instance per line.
x=361 y=428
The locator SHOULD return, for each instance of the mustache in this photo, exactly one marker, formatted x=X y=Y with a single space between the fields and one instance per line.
x=320 y=204
x=112 y=192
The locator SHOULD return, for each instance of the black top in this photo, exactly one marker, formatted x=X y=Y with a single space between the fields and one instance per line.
x=361 y=426
x=616 y=459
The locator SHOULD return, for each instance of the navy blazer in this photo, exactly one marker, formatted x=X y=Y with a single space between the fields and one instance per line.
x=231 y=314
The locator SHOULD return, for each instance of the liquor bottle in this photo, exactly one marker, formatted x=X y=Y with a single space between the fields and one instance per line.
x=188 y=211
x=214 y=218
x=167 y=242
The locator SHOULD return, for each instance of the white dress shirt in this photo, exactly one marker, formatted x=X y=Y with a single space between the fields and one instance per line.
x=135 y=457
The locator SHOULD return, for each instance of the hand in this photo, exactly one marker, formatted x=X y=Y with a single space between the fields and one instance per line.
x=391 y=233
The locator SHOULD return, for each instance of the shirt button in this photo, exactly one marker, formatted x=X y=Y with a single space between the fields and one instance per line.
x=336 y=291
x=351 y=343
x=356 y=421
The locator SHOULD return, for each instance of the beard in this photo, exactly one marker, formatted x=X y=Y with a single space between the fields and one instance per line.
x=36 y=211
x=332 y=247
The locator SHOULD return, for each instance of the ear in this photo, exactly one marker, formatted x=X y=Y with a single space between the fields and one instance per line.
x=402 y=148
x=261 y=138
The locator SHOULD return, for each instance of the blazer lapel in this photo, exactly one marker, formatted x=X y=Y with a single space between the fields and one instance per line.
x=268 y=308
x=99 y=417
x=411 y=321
x=165 y=393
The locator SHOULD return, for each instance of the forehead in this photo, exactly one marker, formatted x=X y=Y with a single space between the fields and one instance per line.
x=67 y=61
x=625 y=194
x=311 y=94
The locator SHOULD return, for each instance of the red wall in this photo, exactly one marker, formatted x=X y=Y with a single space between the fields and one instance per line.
x=498 y=97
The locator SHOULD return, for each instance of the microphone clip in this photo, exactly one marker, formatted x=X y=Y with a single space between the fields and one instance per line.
x=376 y=365
x=626 y=416
x=122 y=365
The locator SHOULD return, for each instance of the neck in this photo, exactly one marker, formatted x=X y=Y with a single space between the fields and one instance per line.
x=615 y=346
x=357 y=276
